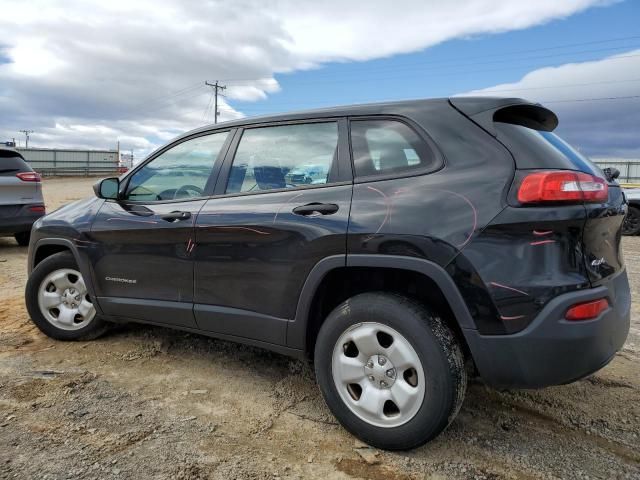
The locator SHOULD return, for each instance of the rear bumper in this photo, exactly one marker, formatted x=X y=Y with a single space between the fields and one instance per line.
x=20 y=221
x=552 y=350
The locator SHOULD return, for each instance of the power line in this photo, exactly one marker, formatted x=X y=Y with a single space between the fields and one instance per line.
x=177 y=97
x=502 y=54
x=171 y=104
x=605 y=82
x=590 y=99
x=340 y=79
x=205 y=115
x=274 y=111
x=176 y=93
x=216 y=87
x=238 y=81
x=26 y=136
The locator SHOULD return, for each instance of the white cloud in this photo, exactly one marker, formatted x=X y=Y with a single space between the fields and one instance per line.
x=87 y=73
x=599 y=124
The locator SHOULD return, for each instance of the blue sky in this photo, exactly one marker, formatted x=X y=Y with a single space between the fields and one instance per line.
x=460 y=65
x=92 y=74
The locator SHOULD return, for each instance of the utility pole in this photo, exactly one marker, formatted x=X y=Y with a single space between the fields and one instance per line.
x=26 y=135
x=215 y=87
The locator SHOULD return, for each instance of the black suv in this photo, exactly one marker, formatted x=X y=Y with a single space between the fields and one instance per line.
x=447 y=236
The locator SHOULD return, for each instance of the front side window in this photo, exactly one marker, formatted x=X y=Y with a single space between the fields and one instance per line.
x=387 y=147
x=181 y=172
x=283 y=156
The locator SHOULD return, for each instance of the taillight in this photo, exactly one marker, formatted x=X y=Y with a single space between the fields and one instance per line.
x=28 y=176
x=562 y=186
x=587 y=310
x=37 y=209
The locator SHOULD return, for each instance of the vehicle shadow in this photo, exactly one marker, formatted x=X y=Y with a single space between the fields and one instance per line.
x=560 y=429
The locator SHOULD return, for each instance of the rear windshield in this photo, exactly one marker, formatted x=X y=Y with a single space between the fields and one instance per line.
x=539 y=149
x=10 y=165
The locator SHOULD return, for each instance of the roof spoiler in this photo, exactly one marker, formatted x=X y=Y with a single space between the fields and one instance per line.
x=9 y=152
x=486 y=110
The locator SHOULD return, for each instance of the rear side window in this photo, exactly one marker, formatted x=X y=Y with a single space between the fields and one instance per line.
x=541 y=149
x=387 y=147
x=10 y=165
x=284 y=156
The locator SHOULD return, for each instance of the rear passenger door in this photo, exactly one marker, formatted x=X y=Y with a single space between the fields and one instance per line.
x=281 y=205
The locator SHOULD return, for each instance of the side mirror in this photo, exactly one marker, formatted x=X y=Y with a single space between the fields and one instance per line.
x=107 y=188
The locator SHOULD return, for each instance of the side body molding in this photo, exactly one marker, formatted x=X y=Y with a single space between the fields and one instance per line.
x=296 y=332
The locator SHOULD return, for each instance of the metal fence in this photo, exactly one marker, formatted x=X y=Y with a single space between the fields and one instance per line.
x=49 y=161
x=629 y=170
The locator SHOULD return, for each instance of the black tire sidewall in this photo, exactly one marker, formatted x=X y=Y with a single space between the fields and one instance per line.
x=443 y=378
x=636 y=213
x=22 y=238
x=44 y=268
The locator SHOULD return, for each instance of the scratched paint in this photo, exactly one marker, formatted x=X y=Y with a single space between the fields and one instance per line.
x=387 y=203
x=499 y=285
x=135 y=220
x=284 y=204
x=254 y=230
x=542 y=242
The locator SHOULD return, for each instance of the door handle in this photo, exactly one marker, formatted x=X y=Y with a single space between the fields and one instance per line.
x=316 y=209
x=176 y=216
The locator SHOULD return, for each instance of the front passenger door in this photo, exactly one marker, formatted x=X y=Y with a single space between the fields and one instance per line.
x=143 y=266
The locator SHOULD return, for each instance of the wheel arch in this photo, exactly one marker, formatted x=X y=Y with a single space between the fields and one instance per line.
x=45 y=247
x=302 y=330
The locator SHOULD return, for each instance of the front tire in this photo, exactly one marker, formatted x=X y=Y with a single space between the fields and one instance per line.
x=390 y=370
x=58 y=302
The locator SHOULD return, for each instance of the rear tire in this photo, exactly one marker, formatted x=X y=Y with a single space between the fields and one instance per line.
x=400 y=407
x=631 y=224
x=58 y=302
x=22 y=238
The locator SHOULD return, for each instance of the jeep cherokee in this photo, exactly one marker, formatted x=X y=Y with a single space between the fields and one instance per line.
x=447 y=236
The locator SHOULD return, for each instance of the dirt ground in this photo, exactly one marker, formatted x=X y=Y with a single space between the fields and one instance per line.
x=154 y=403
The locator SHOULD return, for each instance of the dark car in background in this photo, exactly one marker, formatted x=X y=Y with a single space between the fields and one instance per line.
x=445 y=237
x=21 y=202
x=631 y=225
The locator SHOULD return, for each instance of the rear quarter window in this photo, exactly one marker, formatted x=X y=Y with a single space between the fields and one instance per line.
x=541 y=149
x=12 y=164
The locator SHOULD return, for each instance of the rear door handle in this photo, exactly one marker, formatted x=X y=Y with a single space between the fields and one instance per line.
x=316 y=209
x=176 y=216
